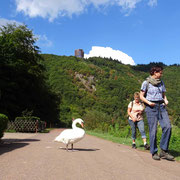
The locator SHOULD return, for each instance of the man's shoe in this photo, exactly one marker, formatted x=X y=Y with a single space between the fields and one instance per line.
x=134 y=146
x=155 y=156
x=146 y=147
x=165 y=155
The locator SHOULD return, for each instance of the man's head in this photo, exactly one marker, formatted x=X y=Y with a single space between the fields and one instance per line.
x=156 y=72
x=155 y=69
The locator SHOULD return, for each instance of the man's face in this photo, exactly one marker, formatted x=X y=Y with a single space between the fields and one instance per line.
x=159 y=74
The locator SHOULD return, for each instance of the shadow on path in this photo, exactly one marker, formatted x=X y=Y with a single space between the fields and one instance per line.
x=80 y=149
x=174 y=153
x=7 y=145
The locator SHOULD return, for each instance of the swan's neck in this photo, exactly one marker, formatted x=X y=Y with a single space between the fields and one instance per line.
x=74 y=125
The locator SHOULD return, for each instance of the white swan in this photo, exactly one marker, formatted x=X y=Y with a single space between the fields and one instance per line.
x=71 y=136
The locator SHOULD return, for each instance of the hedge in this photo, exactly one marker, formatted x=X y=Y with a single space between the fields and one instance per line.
x=3 y=124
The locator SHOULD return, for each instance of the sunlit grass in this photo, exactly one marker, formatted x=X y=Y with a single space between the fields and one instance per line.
x=127 y=141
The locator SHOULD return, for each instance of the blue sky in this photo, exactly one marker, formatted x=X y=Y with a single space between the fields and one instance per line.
x=140 y=31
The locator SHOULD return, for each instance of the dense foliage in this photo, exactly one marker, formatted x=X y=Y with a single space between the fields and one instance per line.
x=22 y=84
x=99 y=89
x=3 y=124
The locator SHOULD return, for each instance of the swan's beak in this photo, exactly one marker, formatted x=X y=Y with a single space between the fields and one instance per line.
x=82 y=124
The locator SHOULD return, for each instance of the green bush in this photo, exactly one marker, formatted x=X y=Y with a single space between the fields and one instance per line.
x=30 y=118
x=97 y=120
x=3 y=124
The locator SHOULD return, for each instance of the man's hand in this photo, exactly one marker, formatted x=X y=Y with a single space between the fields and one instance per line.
x=166 y=102
x=151 y=104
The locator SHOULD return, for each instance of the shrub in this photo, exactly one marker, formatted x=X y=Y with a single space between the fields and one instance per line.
x=97 y=120
x=3 y=124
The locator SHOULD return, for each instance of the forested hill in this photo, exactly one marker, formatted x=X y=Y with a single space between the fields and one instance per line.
x=59 y=88
x=99 y=89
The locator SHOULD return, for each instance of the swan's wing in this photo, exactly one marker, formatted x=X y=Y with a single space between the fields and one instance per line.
x=70 y=136
x=62 y=134
x=77 y=136
x=65 y=136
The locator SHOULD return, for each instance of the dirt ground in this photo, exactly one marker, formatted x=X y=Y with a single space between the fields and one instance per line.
x=36 y=157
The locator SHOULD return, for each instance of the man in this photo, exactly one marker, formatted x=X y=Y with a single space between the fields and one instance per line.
x=153 y=94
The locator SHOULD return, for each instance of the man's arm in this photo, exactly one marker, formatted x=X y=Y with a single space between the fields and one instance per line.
x=165 y=99
x=142 y=93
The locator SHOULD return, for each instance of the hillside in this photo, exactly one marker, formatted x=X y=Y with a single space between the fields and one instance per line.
x=99 y=89
x=59 y=88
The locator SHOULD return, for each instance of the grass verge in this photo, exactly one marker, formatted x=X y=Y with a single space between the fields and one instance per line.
x=128 y=141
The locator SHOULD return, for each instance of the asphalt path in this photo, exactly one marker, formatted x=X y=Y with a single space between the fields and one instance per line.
x=26 y=156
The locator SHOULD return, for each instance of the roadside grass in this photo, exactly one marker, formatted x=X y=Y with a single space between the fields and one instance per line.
x=173 y=147
x=47 y=130
x=10 y=131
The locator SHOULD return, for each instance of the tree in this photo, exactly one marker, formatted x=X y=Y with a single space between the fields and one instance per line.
x=18 y=49
x=22 y=81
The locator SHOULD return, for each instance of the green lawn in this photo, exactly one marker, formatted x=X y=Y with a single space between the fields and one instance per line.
x=173 y=148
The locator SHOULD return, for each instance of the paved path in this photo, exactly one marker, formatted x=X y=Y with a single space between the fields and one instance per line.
x=37 y=157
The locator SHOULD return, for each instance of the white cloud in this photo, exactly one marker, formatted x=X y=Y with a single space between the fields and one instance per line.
x=55 y=8
x=4 y=22
x=51 y=9
x=152 y=3
x=108 y=52
x=128 y=4
x=43 y=41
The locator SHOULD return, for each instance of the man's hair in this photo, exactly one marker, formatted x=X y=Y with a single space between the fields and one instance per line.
x=155 y=69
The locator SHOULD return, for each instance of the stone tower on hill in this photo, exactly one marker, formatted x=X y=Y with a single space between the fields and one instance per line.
x=79 y=53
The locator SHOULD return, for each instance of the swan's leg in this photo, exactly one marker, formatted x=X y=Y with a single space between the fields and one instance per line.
x=66 y=147
x=72 y=146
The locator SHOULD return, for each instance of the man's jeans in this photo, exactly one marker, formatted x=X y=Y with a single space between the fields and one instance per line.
x=155 y=114
x=134 y=125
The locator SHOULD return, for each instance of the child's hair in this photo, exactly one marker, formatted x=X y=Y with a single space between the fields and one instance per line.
x=136 y=94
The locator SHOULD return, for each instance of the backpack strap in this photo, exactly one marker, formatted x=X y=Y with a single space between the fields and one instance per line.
x=131 y=107
x=132 y=104
x=147 y=86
